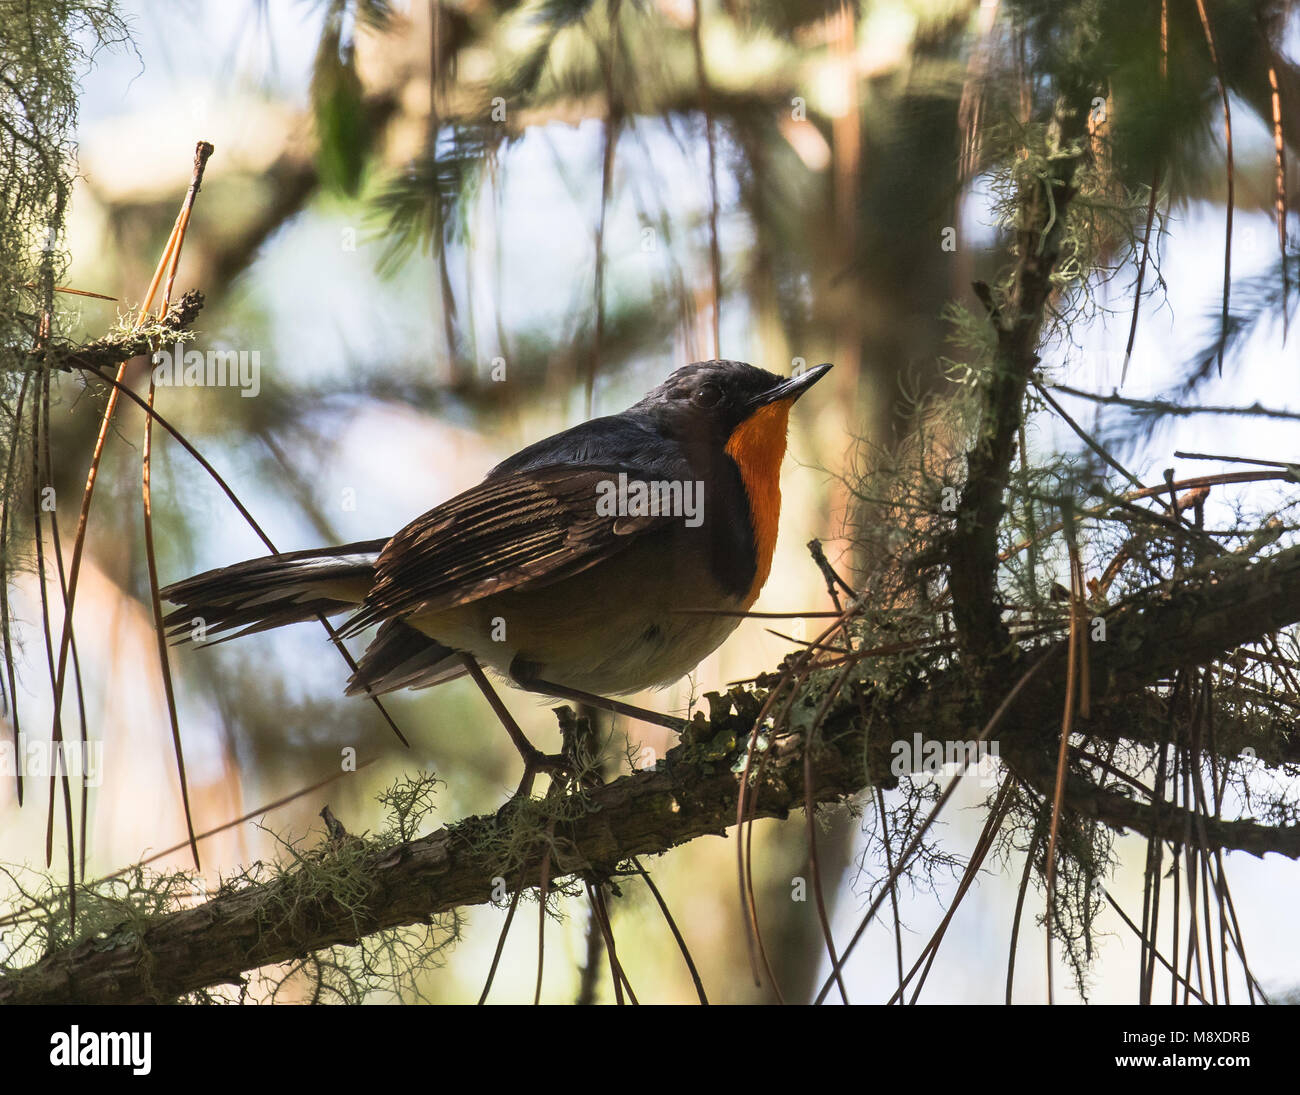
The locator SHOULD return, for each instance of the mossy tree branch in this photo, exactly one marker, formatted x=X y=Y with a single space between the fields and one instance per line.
x=693 y=793
x=111 y=350
x=1017 y=316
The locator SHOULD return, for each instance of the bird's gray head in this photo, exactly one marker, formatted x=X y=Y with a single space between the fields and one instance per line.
x=711 y=398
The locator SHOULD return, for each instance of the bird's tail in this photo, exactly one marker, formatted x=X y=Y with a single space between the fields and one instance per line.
x=263 y=593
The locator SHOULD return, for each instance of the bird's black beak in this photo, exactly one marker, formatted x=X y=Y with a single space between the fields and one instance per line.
x=793 y=388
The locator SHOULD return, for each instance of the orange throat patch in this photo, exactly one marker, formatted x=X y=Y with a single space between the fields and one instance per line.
x=757 y=446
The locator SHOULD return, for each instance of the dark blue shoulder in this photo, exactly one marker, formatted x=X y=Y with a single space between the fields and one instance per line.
x=625 y=441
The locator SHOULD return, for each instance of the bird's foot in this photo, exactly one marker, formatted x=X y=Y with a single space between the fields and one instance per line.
x=555 y=765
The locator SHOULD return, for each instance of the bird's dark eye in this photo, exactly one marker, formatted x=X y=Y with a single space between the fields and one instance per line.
x=707 y=395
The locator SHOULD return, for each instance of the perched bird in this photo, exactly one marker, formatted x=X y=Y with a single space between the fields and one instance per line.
x=608 y=558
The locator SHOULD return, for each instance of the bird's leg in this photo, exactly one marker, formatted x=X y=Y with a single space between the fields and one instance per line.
x=527 y=680
x=534 y=759
x=604 y=703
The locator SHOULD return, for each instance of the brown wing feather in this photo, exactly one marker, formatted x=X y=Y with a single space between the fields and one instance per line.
x=514 y=531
